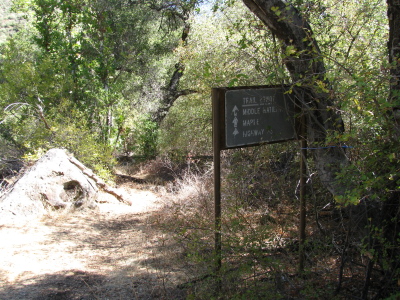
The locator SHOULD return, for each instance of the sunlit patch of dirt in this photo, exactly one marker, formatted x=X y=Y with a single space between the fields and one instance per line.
x=109 y=253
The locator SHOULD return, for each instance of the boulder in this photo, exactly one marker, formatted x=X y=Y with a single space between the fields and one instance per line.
x=54 y=182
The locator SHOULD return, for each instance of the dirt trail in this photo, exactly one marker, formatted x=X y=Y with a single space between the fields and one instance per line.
x=109 y=253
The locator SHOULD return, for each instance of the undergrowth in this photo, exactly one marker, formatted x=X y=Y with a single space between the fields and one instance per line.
x=260 y=221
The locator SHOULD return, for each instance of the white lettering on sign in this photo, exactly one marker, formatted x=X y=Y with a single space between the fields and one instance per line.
x=251 y=111
x=249 y=100
x=253 y=106
x=255 y=132
x=267 y=100
x=251 y=122
x=256 y=115
x=271 y=109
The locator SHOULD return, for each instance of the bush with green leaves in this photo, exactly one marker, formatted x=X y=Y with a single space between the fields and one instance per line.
x=139 y=136
x=62 y=127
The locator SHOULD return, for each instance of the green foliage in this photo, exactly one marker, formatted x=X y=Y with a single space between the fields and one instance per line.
x=10 y=22
x=68 y=130
x=230 y=48
x=187 y=128
x=25 y=79
x=146 y=133
x=140 y=136
x=104 y=59
x=34 y=94
x=90 y=52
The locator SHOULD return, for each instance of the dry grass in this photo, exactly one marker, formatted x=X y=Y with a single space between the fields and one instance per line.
x=260 y=238
x=167 y=252
x=94 y=255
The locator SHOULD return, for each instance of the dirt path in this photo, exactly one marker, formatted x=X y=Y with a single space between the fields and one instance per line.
x=109 y=253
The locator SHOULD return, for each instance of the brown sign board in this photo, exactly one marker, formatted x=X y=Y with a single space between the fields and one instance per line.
x=250 y=116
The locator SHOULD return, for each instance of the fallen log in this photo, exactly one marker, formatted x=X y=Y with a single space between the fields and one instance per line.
x=100 y=183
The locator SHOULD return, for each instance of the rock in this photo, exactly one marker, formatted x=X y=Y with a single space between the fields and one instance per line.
x=53 y=183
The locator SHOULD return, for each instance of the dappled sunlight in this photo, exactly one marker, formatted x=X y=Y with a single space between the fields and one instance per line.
x=26 y=251
x=95 y=252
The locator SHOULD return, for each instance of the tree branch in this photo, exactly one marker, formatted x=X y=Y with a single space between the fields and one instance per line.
x=304 y=61
x=105 y=187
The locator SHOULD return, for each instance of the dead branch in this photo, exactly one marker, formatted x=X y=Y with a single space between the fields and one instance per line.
x=100 y=183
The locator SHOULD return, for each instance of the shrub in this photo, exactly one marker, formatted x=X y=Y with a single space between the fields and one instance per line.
x=67 y=130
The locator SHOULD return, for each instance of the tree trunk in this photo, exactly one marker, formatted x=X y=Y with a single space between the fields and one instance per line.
x=394 y=60
x=306 y=67
x=171 y=91
x=390 y=211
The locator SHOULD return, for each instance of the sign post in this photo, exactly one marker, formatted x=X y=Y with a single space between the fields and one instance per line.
x=217 y=180
x=243 y=117
x=303 y=183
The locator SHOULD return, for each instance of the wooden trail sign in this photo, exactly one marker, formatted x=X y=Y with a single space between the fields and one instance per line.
x=250 y=116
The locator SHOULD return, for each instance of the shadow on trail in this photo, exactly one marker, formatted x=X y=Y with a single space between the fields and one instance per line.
x=78 y=285
x=122 y=258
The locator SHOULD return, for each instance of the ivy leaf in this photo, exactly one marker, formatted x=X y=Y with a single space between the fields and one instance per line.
x=276 y=10
x=290 y=50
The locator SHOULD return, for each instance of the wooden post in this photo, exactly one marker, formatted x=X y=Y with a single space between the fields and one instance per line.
x=303 y=182
x=217 y=183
